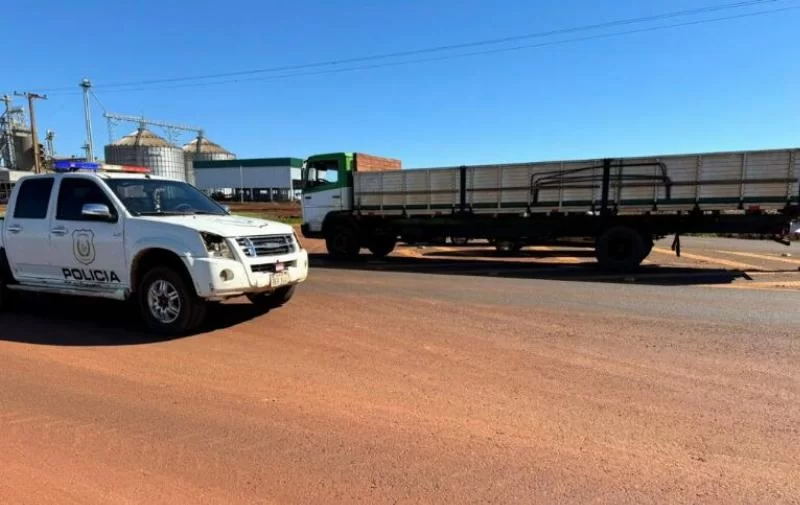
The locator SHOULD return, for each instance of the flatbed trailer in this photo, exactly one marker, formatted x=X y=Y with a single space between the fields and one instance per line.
x=622 y=204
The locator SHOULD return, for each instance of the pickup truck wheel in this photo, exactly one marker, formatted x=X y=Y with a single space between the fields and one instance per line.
x=620 y=249
x=274 y=299
x=343 y=243
x=3 y=295
x=168 y=305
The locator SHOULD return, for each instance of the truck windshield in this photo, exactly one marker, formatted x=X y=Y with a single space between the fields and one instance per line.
x=158 y=197
x=319 y=173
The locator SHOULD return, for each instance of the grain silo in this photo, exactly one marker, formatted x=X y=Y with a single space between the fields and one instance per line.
x=202 y=149
x=145 y=148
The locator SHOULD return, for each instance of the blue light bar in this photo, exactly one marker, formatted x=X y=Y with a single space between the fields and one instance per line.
x=72 y=166
x=69 y=166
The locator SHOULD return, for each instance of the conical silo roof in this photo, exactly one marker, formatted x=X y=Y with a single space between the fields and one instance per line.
x=142 y=137
x=205 y=146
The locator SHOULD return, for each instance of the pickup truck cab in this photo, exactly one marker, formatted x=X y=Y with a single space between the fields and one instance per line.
x=123 y=234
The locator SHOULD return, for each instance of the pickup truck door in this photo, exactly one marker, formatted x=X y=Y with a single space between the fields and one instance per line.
x=88 y=249
x=27 y=231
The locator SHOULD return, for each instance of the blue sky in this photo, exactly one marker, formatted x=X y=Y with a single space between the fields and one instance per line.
x=717 y=86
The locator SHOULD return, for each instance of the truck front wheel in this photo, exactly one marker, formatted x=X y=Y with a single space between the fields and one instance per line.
x=620 y=249
x=168 y=305
x=343 y=243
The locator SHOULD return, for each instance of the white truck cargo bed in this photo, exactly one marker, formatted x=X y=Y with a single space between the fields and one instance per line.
x=713 y=181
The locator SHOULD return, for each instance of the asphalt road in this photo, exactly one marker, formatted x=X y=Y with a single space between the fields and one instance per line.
x=381 y=383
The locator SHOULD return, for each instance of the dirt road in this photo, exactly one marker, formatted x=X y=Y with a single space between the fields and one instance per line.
x=399 y=387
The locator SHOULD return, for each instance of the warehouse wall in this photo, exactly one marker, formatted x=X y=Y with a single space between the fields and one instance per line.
x=259 y=183
x=248 y=177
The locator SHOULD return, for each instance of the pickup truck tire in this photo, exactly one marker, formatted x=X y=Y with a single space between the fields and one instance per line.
x=4 y=298
x=268 y=301
x=168 y=304
x=620 y=249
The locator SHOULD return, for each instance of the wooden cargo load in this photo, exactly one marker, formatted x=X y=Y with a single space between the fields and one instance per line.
x=369 y=163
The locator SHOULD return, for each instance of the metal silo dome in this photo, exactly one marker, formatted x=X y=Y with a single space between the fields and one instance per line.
x=145 y=148
x=202 y=149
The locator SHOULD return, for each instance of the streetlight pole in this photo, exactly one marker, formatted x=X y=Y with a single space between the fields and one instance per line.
x=86 y=85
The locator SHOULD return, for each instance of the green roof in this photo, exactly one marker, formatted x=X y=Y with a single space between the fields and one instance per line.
x=252 y=162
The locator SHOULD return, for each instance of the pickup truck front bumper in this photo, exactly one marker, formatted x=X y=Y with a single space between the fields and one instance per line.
x=218 y=279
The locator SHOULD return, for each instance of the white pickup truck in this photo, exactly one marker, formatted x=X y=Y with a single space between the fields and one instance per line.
x=127 y=235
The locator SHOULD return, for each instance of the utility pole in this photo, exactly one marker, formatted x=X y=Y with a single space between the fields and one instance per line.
x=31 y=97
x=86 y=85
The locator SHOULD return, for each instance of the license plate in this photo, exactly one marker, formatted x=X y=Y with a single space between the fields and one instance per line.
x=279 y=279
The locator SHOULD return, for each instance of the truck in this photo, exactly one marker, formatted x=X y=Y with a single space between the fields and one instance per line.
x=121 y=233
x=619 y=205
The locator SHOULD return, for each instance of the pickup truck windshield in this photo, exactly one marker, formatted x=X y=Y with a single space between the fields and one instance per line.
x=148 y=197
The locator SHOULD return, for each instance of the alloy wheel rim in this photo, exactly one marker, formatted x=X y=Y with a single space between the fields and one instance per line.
x=164 y=301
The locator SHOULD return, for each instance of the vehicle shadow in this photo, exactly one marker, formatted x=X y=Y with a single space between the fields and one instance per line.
x=581 y=267
x=73 y=321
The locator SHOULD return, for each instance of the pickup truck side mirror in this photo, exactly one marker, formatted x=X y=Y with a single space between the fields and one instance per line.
x=97 y=211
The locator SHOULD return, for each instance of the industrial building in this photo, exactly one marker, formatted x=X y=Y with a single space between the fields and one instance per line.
x=250 y=180
x=16 y=138
x=7 y=180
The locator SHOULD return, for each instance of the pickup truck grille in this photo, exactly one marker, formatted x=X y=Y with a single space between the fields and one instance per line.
x=267 y=245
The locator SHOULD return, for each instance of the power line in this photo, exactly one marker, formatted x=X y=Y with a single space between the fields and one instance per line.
x=450 y=47
x=448 y=56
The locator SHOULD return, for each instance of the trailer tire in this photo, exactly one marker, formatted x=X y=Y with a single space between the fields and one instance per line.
x=382 y=245
x=343 y=242
x=508 y=247
x=648 y=246
x=620 y=249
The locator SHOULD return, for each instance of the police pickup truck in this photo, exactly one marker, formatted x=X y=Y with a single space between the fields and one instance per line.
x=96 y=230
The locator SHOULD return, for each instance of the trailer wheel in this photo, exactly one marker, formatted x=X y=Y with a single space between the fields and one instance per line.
x=647 y=240
x=508 y=247
x=382 y=245
x=343 y=243
x=620 y=249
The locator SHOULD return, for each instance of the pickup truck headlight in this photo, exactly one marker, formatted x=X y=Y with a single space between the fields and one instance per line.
x=217 y=246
